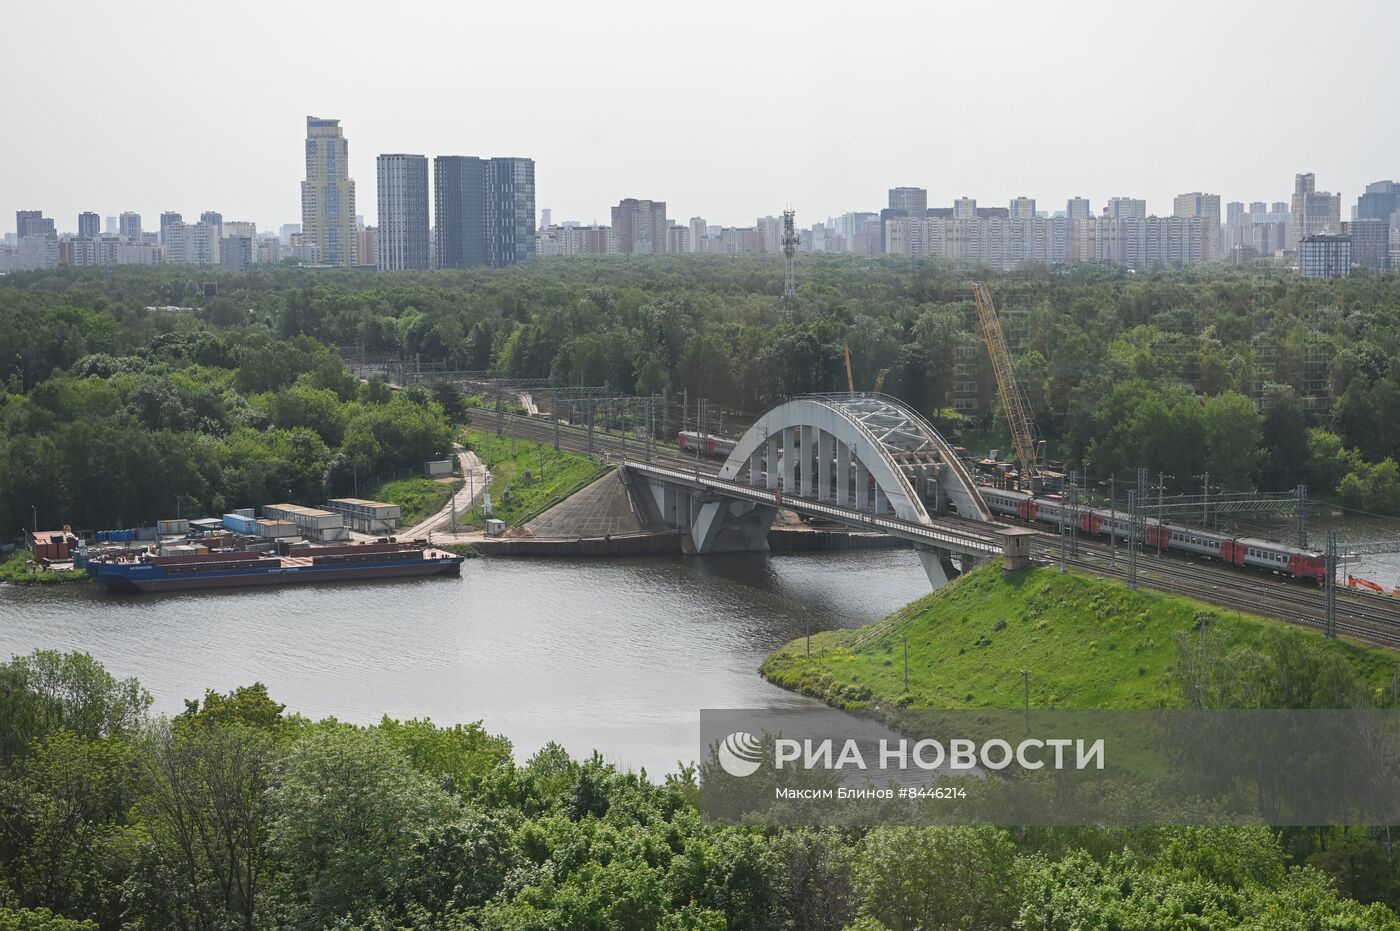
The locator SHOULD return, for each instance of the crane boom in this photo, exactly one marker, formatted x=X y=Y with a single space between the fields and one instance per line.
x=1017 y=410
x=850 y=379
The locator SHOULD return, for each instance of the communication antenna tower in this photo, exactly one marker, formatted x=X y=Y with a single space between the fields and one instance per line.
x=789 y=259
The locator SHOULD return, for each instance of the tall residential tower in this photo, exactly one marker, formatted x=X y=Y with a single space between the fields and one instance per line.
x=403 y=213
x=328 y=195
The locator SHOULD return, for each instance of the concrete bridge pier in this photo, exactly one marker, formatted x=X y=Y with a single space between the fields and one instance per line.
x=939 y=565
x=728 y=525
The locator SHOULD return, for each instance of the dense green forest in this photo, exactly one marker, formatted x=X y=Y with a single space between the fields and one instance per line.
x=237 y=815
x=112 y=412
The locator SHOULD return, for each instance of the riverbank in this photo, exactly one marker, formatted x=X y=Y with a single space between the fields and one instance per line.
x=16 y=570
x=1083 y=642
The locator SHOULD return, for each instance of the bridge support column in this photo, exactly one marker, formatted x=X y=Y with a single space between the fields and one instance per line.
x=938 y=566
x=773 y=448
x=756 y=468
x=825 y=450
x=789 y=459
x=862 y=485
x=806 y=480
x=882 y=501
x=843 y=474
x=729 y=526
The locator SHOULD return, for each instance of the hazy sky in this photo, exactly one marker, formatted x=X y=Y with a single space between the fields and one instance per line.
x=729 y=110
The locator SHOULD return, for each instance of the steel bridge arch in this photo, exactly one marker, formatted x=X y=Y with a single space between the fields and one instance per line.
x=894 y=443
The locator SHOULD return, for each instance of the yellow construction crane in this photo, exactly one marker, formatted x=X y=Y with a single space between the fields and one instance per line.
x=1018 y=414
x=851 y=379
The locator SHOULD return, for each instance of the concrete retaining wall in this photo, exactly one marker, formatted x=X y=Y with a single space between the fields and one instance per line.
x=641 y=544
x=782 y=540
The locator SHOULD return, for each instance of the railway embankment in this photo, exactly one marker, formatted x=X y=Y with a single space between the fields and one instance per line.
x=1083 y=642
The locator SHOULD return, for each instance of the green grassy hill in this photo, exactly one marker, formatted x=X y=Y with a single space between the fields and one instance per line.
x=419 y=497
x=1086 y=644
x=553 y=475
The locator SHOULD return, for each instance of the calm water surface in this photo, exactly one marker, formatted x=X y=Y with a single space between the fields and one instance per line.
x=614 y=655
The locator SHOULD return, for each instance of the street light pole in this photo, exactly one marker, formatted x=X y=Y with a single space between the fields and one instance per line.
x=906 y=662
x=1026 y=682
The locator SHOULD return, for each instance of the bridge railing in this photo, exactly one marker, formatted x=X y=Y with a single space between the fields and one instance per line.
x=963 y=541
x=944 y=447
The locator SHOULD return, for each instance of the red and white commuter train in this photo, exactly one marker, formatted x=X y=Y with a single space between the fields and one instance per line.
x=709 y=444
x=1250 y=552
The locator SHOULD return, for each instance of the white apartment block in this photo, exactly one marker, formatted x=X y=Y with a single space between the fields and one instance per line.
x=192 y=244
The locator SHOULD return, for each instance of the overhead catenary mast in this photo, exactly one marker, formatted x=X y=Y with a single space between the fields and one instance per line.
x=789 y=259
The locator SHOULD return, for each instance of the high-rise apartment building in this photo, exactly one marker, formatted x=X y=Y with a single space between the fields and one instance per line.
x=1324 y=256
x=166 y=219
x=369 y=245
x=129 y=226
x=1207 y=207
x=192 y=244
x=1022 y=208
x=214 y=219
x=1370 y=243
x=697 y=234
x=403 y=213
x=1078 y=208
x=459 y=210
x=1381 y=201
x=908 y=201
x=33 y=223
x=328 y=194
x=510 y=211
x=484 y=211
x=235 y=252
x=1314 y=212
x=1259 y=232
x=770 y=230
x=640 y=226
x=1126 y=208
x=89 y=225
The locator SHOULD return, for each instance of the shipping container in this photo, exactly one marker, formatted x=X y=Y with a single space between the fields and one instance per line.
x=305 y=518
x=275 y=528
x=240 y=524
x=176 y=527
x=438 y=467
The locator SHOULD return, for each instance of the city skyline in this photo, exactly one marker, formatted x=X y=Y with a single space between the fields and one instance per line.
x=816 y=128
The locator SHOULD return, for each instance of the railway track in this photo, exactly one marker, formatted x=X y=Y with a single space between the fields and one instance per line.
x=1360 y=615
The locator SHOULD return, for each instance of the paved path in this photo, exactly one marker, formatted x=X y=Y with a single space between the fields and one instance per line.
x=475 y=476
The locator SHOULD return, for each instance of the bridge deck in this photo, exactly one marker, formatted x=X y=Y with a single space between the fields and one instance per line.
x=957 y=537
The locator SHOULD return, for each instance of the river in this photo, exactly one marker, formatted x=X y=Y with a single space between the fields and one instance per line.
x=616 y=655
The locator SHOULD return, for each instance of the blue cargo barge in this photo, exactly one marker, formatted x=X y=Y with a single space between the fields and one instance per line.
x=146 y=573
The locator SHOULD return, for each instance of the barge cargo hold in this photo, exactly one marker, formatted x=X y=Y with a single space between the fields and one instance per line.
x=191 y=572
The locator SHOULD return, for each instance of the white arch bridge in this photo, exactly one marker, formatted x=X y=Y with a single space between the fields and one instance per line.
x=866 y=461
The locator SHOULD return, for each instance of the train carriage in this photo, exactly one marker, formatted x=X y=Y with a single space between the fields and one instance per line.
x=1246 y=552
